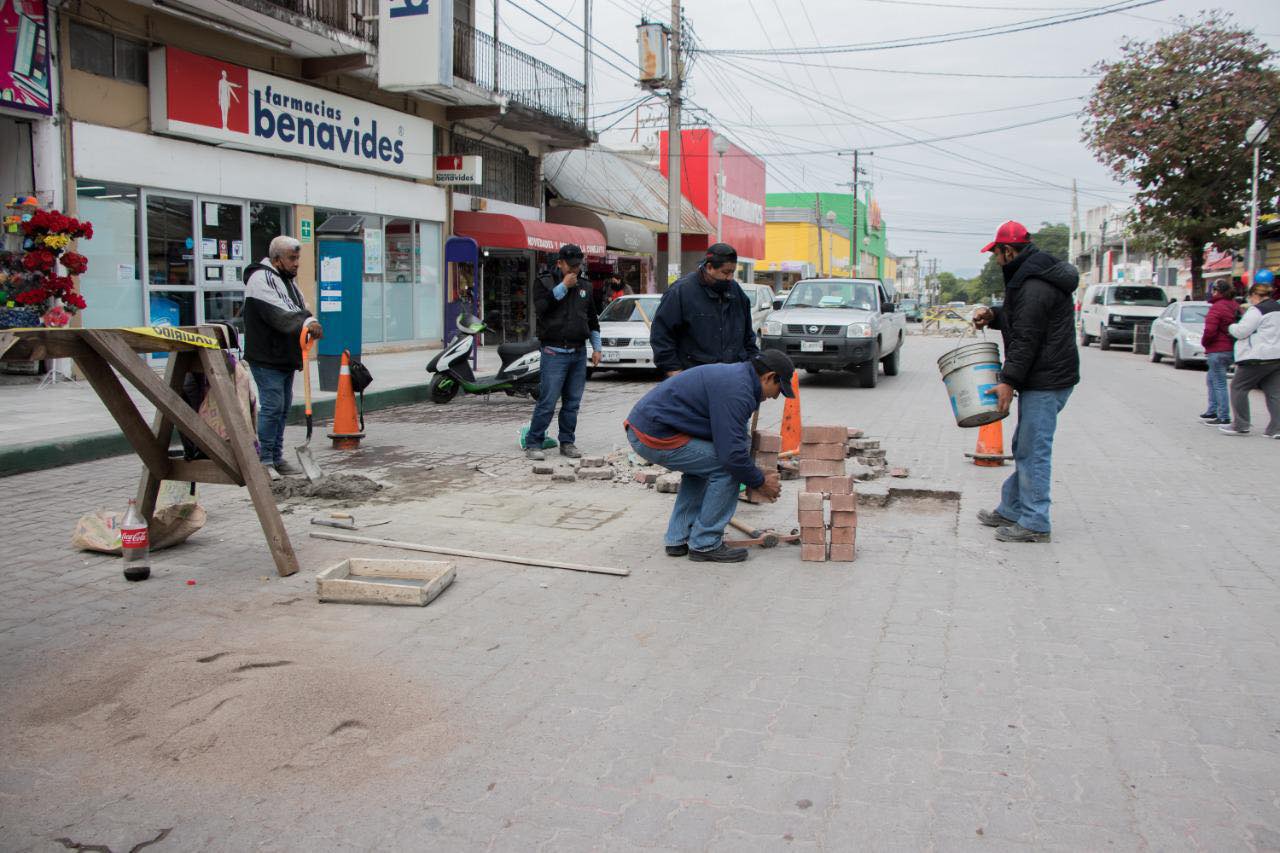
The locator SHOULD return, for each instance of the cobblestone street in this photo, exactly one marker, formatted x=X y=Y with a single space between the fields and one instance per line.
x=1116 y=689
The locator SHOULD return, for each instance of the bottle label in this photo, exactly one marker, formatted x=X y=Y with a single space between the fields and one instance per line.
x=136 y=538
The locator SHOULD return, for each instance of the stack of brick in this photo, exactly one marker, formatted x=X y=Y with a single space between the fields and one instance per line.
x=818 y=540
x=765 y=447
x=867 y=451
x=844 y=527
x=822 y=455
x=813 y=527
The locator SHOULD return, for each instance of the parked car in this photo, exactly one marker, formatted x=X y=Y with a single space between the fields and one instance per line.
x=839 y=324
x=624 y=333
x=779 y=298
x=761 y=296
x=1109 y=312
x=910 y=309
x=1176 y=333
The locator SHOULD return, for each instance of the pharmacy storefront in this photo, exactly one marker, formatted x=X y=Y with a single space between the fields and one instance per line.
x=236 y=157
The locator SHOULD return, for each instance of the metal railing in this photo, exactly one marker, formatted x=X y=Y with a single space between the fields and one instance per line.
x=354 y=17
x=523 y=79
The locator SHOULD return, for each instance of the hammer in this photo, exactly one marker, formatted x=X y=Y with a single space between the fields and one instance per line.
x=767 y=538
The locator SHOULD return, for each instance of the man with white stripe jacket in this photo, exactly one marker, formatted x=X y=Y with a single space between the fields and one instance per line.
x=1257 y=358
x=274 y=316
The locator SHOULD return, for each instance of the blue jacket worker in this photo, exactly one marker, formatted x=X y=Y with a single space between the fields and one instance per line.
x=704 y=318
x=696 y=423
x=566 y=321
x=1041 y=363
x=274 y=316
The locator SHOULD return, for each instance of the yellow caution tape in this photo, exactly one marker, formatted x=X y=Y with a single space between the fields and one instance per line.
x=170 y=333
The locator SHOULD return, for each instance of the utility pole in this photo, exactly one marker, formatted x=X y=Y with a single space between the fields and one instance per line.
x=586 y=63
x=1073 y=247
x=856 y=243
x=919 y=289
x=673 y=149
x=817 y=220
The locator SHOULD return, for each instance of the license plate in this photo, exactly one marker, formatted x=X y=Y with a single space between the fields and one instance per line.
x=811 y=346
x=611 y=356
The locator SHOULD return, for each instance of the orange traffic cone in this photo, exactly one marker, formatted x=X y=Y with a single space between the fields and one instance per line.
x=791 y=427
x=346 y=433
x=990 y=450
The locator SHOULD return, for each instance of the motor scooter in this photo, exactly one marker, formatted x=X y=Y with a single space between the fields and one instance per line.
x=520 y=374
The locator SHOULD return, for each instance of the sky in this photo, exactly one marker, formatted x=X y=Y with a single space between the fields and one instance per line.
x=946 y=199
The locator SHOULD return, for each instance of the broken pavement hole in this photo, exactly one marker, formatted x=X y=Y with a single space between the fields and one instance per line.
x=265 y=665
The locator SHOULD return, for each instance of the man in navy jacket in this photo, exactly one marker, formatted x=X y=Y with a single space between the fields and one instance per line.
x=696 y=423
x=704 y=318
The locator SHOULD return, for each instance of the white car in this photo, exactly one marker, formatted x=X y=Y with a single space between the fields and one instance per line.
x=1109 y=312
x=761 y=296
x=1176 y=333
x=624 y=332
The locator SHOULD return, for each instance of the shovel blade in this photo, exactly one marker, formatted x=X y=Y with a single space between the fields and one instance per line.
x=308 y=463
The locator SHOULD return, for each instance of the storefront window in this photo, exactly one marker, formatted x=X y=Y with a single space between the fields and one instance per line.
x=221 y=231
x=112 y=286
x=170 y=241
x=225 y=306
x=173 y=307
x=399 y=277
x=428 y=300
x=266 y=222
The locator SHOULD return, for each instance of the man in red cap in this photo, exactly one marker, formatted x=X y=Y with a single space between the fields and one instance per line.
x=1041 y=363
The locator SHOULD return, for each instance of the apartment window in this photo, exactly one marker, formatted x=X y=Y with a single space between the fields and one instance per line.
x=108 y=55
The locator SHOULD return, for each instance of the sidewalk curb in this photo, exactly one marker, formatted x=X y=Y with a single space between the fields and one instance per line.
x=42 y=455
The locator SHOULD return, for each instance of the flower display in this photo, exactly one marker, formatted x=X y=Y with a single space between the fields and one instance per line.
x=33 y=279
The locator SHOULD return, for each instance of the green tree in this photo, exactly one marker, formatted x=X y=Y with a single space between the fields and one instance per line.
x=1054 y=239
x=1170 y=116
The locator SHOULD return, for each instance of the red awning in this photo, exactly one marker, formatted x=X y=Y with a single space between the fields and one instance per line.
x=499 y=231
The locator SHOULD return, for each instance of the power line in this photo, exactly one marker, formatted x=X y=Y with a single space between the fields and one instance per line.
x=973 y=74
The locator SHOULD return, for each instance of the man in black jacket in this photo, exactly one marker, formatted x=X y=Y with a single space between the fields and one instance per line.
x=1041 y=363
x=566 y=321
x=274 y=315
x=704 y=318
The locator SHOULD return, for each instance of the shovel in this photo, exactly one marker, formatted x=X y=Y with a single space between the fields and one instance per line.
x=305 y=459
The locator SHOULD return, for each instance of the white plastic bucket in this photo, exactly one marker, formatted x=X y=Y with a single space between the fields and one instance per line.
x=971 y=373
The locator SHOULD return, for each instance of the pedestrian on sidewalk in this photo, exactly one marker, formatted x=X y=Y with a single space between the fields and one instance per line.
x=274 y=316
x=1218 y=347
x=1257 y=358
x=615 y=289
x=1041 y=363
x=566 y=321
x=697 y=423
x=704 y=318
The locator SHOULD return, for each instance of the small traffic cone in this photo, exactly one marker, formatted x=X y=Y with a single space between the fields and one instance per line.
x=791 y=427
x=346 y=433
x=990 y=450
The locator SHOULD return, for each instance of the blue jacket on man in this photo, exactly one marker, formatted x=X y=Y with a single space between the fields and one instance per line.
x=701 y=321
x=713 y=402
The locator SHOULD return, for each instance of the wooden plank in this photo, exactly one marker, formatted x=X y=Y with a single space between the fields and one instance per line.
x=477 y=555
x=163 y=397
x=199 y=471
x=175 y=372
x=112 y=394
x=253 y=472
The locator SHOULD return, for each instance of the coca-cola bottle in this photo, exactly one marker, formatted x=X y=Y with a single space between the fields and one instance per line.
x=135 y=543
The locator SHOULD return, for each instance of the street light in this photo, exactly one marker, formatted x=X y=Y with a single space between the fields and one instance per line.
x=1255 y=137
x=721 y=146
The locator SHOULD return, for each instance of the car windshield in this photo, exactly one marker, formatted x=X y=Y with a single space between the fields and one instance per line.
x=833 y=294
x=1138 y=296
x=908 y=305
x=1194 y=313
x=629 y=310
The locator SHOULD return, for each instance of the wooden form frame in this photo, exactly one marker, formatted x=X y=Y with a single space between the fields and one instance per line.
x=102 y=353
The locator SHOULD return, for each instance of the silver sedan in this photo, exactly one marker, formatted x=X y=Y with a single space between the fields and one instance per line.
x=1176 y=334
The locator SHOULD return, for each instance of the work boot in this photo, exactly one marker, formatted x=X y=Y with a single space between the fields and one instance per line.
x=1018 y=533
x=723 y=554
x=991 y=518
x=570 y=450
x=288 y=469
x=534 y=454
x=677 y=550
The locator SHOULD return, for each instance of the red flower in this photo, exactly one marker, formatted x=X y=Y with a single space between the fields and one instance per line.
x=74 y=300
x=75 y=263
x=35 y=296
x=86 y=230
x=39 y=259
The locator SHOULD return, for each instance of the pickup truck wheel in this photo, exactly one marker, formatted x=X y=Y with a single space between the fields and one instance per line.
x=1085 y=340
x=890 y=361
x=869 y=372
x=1104 y=340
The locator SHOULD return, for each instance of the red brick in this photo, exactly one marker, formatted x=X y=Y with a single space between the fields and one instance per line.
x=769 y=442
x=841 y=553
x=824 y=434
x=811 y=518
x=844 y=519
x=855 y=433
x=830 y=485
x=767 y=461
x=843 y=535
x=821 y=467
x=899 y=472
x=813 y=536
x=844 y=503
x=823 y=451
x=813 y=553
x=809 y=500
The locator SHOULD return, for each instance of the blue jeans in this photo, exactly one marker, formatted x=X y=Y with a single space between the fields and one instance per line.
x=708 y=493
x=275 y=395
x=564 y=374
x=1219 y=399
x=1025 y=496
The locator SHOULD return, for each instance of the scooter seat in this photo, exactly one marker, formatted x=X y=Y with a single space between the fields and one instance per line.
x=508 y=353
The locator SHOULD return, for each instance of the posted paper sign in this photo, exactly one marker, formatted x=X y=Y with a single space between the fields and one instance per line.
x=330 y=306
x=330 y=269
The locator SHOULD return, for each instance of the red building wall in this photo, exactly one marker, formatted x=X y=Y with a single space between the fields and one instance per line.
x=744 y=186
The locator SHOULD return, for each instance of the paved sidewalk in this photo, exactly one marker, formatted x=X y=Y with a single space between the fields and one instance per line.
x=1116 y=689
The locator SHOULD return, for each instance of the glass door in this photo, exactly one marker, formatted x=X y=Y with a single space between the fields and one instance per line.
x=170 y=259
x=223 y=241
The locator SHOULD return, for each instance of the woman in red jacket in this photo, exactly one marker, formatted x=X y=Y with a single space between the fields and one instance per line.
x=1218 y=347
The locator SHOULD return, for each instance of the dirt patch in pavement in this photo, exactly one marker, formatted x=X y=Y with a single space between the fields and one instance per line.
x=338 y=487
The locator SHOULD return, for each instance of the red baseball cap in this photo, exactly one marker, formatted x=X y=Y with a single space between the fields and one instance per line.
x=1009 y=232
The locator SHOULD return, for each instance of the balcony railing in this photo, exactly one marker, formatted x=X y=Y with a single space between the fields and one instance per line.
x=354 y=17
x=524 y=80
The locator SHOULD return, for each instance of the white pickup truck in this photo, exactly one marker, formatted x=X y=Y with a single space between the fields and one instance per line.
x=839 y=324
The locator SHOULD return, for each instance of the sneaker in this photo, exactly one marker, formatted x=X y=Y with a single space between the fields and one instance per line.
x=571 y=450
x=1018 y=533
x=991 y=518
x=1214 y=422
x=1277 y=435
x=1230 y=430
x=723 y=554
x=677 y=550
x=288 y=469
x=1209 y=416
x=534 y=455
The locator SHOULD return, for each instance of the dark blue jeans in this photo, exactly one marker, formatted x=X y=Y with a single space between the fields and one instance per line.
x=564 y=374
x=275 y=394
x=1025 y=496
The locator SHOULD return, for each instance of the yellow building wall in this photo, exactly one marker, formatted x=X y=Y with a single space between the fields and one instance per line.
x=890 y=269
x=797 y=242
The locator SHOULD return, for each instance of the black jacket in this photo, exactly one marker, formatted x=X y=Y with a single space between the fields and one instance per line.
x=566 y=322
x=696 y=324
x=274 y=313
x=1037 y=321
